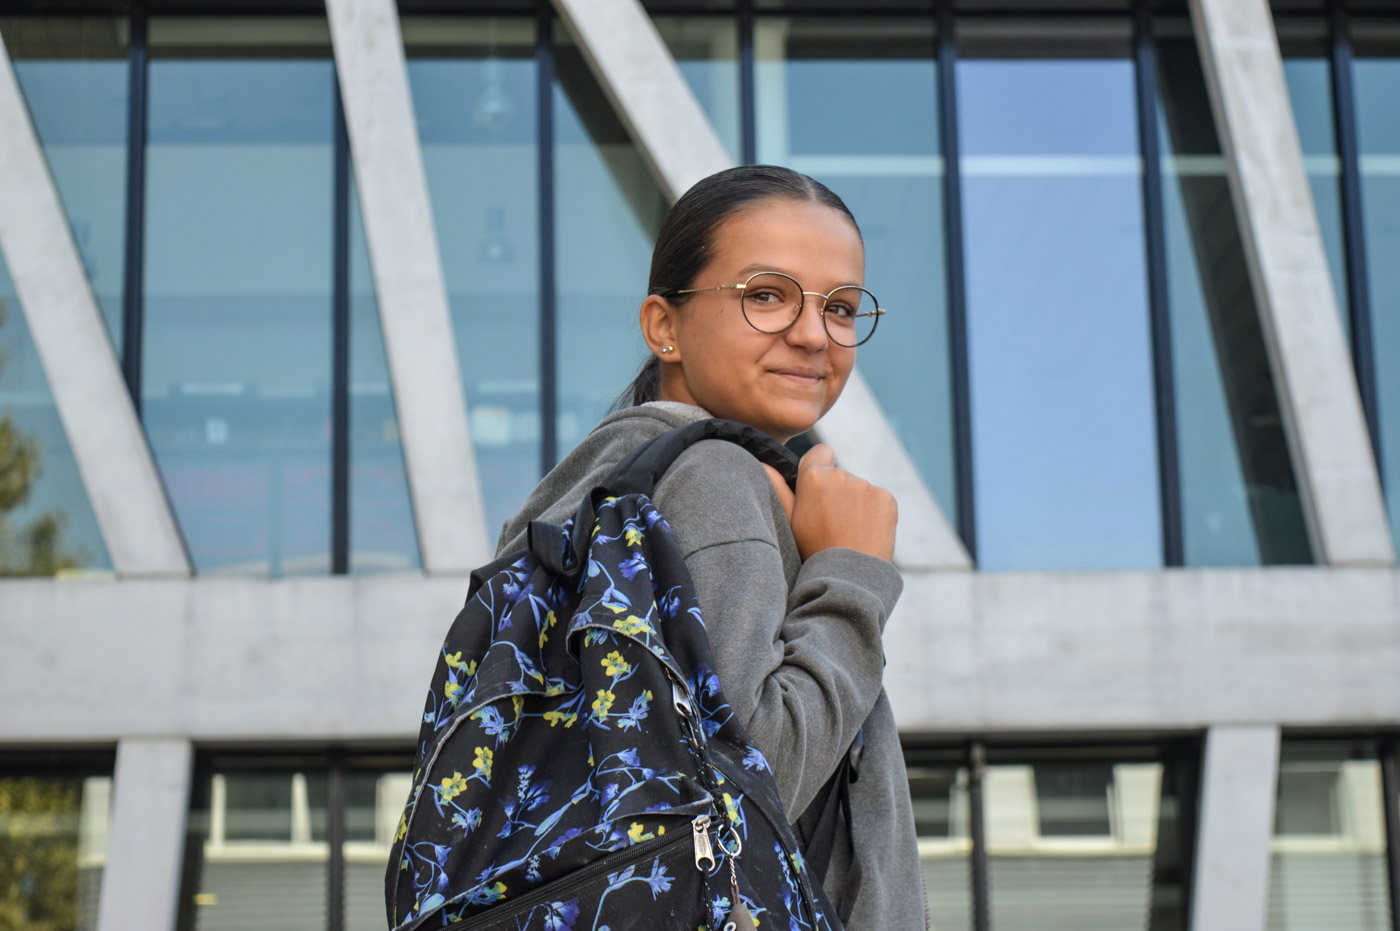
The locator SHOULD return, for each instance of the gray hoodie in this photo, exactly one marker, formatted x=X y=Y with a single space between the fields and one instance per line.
x=797 y=644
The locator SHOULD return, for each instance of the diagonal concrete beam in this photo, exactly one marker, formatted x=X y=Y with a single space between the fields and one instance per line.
x=1239 y=781
x=674 y=135
x=118 y=472
x=408 y=281
x=151 y=795
x=1321 y=406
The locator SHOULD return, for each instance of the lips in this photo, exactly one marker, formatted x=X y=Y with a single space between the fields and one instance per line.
x=801 y=373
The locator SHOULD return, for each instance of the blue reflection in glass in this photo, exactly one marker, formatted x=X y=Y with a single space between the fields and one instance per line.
x=46 y=522
x=1377 y=83
x=885 y=163
x=79 y=107
x=383 y=536
x=475 y=105
x=608 y=209
x=236 y=367
x=1063 y=424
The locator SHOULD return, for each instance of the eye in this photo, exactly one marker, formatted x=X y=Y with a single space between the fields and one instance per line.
x=764 y=297
x=841 y=310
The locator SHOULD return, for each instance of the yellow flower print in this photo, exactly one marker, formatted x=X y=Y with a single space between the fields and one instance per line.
x=632 y=625
x=634 y=536
x=555 y=717
x=614 y=664
x=452 y=787
x=603 y=703
x=454 y=661
x=638 y=833
x=549 y=621
x=403 y=827
x=483 y=762
x=450 y=690
x=732 y=807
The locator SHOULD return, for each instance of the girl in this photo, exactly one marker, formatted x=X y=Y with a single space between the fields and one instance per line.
x=795 y=587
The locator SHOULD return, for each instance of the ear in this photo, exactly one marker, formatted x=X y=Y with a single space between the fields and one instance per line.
x=658 y=319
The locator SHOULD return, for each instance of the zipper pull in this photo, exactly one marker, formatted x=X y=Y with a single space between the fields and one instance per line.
x=700 y=827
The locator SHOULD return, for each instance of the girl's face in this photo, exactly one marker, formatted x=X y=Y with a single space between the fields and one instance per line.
x=780 y=383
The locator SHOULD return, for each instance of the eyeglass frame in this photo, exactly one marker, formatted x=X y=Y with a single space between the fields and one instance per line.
x=877 y=313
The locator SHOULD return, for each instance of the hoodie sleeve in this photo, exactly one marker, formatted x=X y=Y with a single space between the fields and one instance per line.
x=798 y=645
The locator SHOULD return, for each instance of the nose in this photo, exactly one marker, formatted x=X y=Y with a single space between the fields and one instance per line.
x=809 y=331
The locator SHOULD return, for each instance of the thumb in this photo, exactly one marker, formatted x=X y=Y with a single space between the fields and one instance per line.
x=780 y=485
x=820 y=456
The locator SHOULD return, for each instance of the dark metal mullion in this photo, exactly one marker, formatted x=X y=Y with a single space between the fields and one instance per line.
x=335 y=839
x=1159 y=311
x=954 y=272
x=981 y=890
x=544 y=76
x=748 y=119
x=340 y=349
x=1353 y=234
x=1390 y=791
x=133 y=290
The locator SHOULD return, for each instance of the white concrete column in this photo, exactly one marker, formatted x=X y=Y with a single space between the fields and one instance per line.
x=1238 y=784
x=674 y=135
x=145 y=849
x=1318 y=397
x=123 y=486
x=408 y=281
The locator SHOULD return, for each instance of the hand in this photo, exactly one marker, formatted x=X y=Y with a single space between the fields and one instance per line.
x=832 y=507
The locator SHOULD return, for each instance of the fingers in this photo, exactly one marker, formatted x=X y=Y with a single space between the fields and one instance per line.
x=780 y=485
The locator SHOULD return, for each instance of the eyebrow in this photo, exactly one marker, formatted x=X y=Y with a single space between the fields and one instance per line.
x=748 y=270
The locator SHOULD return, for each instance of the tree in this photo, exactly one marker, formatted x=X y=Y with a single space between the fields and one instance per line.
x=35 y=548
x=39 y=854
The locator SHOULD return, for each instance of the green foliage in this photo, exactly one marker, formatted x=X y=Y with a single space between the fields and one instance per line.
x=39 y=854
x=35 y=548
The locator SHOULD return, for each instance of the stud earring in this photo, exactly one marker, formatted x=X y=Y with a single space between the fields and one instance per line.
x=667 y=349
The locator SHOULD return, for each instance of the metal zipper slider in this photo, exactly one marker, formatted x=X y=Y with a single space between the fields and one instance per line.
x=700 y=826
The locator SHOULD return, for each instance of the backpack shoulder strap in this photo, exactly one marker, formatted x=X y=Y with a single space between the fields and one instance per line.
x=641 y=469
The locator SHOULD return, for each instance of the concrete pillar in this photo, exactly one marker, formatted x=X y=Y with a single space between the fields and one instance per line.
x=438 y=456
x=1238 y=785
x=636 y=70
x=1321 y=406
x=145 y=849
x=118 y=472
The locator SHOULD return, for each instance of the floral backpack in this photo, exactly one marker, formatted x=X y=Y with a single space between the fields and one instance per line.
x=578 y=766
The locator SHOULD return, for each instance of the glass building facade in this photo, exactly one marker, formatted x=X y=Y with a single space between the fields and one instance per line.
x=1074 y=361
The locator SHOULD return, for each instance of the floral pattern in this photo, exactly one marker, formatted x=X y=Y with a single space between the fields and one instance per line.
x=551 y=793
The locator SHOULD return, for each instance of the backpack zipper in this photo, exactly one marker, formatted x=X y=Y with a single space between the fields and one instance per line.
x=560 y=888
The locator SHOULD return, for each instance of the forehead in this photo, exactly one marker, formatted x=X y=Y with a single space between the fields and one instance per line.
x=812 y=242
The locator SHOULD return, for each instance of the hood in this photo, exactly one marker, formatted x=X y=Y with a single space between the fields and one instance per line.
x=558 y=495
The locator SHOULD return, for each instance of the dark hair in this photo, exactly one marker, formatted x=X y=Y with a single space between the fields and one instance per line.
x=686 y=241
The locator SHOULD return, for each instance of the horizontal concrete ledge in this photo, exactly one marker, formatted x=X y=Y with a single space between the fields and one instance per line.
x=349 y=658
x=1128 y=651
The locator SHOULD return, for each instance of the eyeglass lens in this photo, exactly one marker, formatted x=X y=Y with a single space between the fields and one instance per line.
x=772 y=301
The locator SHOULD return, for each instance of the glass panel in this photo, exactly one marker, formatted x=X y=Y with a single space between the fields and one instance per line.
x=1308 y=71
x=374 y=802
x=1074 y=843
x=47 y=526
x=1239 y=500
x=73 y=75
x=814 y=83
x=608 y=211
x=382 y=532
x=1060 y=360
x=1377 y=81
x=260 y=865
x=236 y=379
x=474 y=94
x=53 y=846
x=707 y=51
x=941 y=820
x=1329 y=847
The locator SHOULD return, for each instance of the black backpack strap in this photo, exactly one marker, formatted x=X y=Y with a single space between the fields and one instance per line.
x=641 y=469
x=818 y=825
